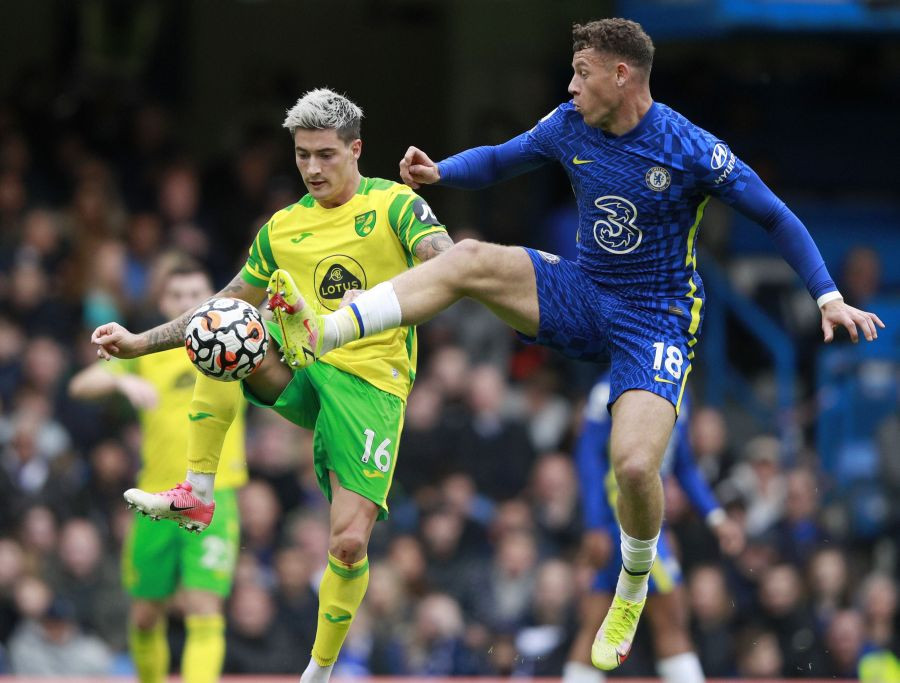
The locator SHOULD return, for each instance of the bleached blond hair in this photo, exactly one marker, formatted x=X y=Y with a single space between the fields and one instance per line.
x=321 y=109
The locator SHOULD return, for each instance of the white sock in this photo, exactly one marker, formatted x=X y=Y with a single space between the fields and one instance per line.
x=683 y=668
x=637 y=559
x=378 y=310
x=315 y=673
x=203 y=484
x=577 y=672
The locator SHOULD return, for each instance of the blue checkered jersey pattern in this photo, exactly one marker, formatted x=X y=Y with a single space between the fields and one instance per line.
x=641 y=197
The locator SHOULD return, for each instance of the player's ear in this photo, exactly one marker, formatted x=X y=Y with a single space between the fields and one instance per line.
x=356 y=148
x=622 y=73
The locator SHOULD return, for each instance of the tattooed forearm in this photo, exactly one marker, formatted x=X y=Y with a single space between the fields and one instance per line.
x=170 y=335
x=167 y=336
x=433 y=245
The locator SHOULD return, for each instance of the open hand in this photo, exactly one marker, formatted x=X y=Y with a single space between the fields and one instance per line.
x=836 y=313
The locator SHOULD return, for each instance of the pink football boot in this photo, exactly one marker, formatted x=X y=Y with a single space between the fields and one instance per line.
x=178 y=504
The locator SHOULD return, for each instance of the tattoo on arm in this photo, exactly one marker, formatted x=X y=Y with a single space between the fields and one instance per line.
x=167 y=336
x=433 y=245
x=170 y=335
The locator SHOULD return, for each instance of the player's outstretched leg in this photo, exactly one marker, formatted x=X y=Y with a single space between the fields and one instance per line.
x=179 y=504
x=301 y=327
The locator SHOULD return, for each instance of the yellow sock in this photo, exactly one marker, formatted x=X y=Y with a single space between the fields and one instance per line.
x=340 y=594
x=204 y=648
x=150 y=652
x=213 y=409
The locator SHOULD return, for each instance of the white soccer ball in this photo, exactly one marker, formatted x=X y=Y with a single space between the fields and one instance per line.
x=226 y=339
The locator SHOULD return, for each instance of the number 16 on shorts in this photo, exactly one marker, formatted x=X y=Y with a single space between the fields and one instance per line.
x=380 y=458
x=668 y=358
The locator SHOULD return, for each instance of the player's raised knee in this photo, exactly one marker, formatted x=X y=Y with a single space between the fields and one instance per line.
x=349 y=546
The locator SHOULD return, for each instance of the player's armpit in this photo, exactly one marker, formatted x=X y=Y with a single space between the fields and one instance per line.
x=433 y=245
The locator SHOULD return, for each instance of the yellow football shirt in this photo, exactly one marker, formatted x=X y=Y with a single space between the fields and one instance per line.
x=368 y=240
x=164 y=428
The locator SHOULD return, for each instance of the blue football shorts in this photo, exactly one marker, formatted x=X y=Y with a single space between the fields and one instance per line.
x=665 y=574
x=648 y=344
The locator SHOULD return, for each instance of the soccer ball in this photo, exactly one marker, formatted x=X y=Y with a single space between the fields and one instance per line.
x=226 y=339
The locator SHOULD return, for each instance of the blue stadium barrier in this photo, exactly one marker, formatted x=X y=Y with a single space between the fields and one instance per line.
x=722 y=380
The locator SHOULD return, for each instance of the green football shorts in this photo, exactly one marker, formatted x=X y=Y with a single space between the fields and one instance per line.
x=160 y=557
x=356 y=428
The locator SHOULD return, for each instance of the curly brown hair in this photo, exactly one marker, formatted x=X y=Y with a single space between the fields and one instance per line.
x=620 y=37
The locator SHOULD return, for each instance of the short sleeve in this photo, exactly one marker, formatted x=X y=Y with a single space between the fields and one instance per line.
x=411 y=219
x=261 y=261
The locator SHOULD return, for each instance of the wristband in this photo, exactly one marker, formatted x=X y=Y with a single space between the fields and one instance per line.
x=829 y=296
x=715 y=517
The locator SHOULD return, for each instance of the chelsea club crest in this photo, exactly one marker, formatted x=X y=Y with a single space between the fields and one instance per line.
x=658 y=178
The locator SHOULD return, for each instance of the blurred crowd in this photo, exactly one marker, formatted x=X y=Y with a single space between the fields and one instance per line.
x=479 y=569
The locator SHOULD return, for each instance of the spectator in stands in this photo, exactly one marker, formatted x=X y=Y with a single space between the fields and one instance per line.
x=88 y=579
x=38 y=532
x=798 y=533
x=436 y=646
x=553 y=493
x=53 y=645
x=709 y=440
x=758 y=654
x=760 y=481
x=544 y=641
x=844 y=642
x=498 y=593
x=488 y=432
x=260 y=519
x=785 y=613
x=298 y=604
x=878 y=602
x=860 y=279
x=712 y=620
x=255 y=641
x=827 y=579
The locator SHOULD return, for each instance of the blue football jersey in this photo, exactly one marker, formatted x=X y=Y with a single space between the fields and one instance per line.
x=640 y=195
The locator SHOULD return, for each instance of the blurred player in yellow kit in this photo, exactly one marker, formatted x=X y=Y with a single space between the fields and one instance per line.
x=158 y=560
x=348 y=233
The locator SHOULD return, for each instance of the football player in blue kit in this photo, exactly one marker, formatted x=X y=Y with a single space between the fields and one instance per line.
x=676 y=661
x=642 y=175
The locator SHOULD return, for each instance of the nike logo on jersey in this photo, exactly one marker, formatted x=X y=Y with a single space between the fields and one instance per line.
x=372 y=474
x=176 y=508
x=661 y=379
x=579 y=162
x=193 y=417
x=302 y=236
x=337 y=620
